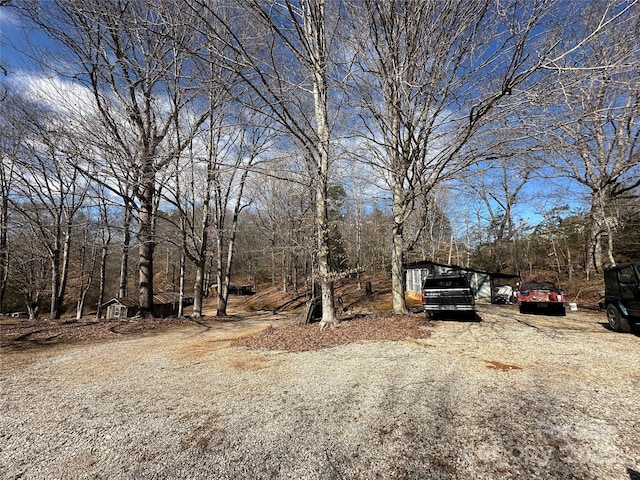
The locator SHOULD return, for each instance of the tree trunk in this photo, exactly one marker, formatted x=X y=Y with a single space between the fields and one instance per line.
x=4 y=249
x=146 y=243
x=397 y=284
x=398 y=202
x=222 y=291
x=33 y=306
x=600 y=225
x=54 y=312
x=82 y=290
x=232 y=235
x=314 y=18
x=64 y=270
x=199 y=285
x=612 y=260
x=54 y=248
x=594 y=247
x=329 y=318
x=103 y=278
x=198 y=289
x=557 y=259
x=397 y=253
x=273 y=261
x=124 y=263
x=183 y=261
x=283 y=268
x=294 y=272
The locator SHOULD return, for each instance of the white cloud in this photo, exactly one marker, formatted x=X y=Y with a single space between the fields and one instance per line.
x=68 y=98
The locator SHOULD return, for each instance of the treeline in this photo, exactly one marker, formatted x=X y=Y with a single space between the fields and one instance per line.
x=175 y=145
x=557 y=248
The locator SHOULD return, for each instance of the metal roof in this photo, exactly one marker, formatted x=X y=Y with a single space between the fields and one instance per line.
x=424 y=263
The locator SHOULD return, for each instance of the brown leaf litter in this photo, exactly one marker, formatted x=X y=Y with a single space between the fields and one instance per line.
x=309 y=337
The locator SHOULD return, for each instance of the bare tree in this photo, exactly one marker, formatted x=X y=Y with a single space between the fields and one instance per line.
x=429 y=231
x=284 y=218
x=196 y=172
x=10 y=140
x=283 y=58
x=210 y=179
x=499 y=185
x=587 y=115
x=123 y=287
x=191 y=197
x=130 y=57
x=30 y=269
x=87 y=261
x=426 y=76
x=51 y=192
x=209 y=189
x=106 y=237
x=229 y=186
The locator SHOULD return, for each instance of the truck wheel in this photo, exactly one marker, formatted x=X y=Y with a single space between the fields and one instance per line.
x=616 y=321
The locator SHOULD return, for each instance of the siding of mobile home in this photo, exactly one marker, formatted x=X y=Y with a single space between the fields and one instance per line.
x=481 y=282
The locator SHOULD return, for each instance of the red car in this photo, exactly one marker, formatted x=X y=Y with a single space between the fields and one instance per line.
x=536 y=295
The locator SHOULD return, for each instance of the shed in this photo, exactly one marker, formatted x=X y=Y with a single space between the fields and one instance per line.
x=164 y=305
x=481 y=282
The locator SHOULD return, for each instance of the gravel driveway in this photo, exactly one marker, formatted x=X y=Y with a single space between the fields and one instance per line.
x=512 y=396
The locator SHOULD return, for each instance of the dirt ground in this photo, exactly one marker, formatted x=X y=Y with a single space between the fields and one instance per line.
x=255 y=395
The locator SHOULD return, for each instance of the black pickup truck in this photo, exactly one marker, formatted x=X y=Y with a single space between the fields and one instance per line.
x=447 y=294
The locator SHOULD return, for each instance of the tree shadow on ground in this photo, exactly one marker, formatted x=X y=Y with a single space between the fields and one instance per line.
x=47 y=333
x=635 y=330
x=457 y=316
x=550 y=312
x=294 y=303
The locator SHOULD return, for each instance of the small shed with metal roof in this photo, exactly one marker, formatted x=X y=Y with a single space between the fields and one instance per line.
x=164 y=305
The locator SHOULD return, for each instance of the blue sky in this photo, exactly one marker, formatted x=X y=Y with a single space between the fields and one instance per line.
x=20 y=68
x=10 y=34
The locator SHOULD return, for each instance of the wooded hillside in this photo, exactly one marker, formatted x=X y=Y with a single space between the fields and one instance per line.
x=180 y=145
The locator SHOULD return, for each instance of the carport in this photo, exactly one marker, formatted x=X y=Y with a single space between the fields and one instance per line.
x=482 y=283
